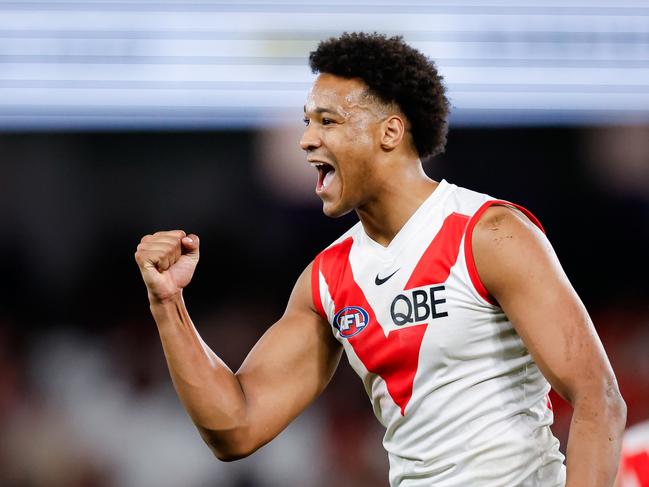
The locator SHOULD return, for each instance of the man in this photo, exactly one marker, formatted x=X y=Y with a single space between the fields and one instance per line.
x=450 y=305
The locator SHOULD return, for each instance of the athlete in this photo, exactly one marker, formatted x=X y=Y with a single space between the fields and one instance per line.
x=450 y=305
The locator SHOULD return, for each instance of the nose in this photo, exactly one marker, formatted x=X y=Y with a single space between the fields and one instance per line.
x=310 y=139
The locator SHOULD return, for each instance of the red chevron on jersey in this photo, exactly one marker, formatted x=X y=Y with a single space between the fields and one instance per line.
x=436 y=262
x=394 y=357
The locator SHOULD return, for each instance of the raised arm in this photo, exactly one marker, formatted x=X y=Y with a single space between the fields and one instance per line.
x=286 y=370
x=521 y=271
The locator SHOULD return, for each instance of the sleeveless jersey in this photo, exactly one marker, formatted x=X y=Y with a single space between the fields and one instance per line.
x=461 y=399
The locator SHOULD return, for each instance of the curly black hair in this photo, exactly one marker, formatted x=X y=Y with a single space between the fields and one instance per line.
x=395 y=73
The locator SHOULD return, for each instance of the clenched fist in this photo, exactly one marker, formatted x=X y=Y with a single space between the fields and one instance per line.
x=167 y=261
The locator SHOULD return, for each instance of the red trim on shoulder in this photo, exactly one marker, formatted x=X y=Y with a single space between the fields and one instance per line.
x=315 y=286
x=468 y=246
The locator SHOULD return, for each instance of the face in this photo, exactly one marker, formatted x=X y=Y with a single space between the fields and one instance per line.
x=341 y=139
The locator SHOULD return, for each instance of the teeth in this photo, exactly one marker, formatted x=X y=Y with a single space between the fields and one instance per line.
x=327 y=179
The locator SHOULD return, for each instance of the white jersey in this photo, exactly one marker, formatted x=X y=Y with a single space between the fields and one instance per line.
x=461 y=399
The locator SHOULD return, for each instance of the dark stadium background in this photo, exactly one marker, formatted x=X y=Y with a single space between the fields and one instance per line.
x=550 y=110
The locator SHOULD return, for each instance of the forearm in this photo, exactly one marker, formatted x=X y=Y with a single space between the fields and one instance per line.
x=595 y=440
x=208 y=389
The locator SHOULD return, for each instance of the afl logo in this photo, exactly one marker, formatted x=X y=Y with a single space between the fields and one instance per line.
x=351 y=320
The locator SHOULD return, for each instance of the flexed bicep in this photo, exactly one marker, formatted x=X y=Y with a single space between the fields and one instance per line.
x=288 y=367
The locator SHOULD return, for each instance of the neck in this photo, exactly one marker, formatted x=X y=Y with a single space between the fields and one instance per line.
x=398 y=197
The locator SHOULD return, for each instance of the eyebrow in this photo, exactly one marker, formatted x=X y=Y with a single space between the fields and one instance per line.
x=322 y=110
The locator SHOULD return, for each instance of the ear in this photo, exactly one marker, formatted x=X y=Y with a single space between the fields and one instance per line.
x=392 y=132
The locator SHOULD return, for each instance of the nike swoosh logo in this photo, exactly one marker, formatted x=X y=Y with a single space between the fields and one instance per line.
x=378 y=281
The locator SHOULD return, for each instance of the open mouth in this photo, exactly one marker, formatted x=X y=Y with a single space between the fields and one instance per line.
x=325 y=174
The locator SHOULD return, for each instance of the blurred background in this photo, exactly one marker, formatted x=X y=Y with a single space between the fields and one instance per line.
x=120 y=118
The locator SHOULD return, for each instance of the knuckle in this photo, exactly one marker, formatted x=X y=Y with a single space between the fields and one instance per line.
x=170 y=247
x=169 y=234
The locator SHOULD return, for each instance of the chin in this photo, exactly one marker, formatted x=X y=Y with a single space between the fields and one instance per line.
x=335 y=211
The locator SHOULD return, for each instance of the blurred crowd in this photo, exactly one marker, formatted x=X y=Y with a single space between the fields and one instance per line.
x=99 y=410
x=80 y=409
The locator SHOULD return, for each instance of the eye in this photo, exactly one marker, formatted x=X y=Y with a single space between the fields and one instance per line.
x=327 y=121
x=306 y=121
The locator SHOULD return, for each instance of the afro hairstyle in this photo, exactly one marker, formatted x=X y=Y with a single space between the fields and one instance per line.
x=395 y=73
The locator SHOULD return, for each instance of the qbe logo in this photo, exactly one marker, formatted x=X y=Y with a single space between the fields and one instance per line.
x=351 y=320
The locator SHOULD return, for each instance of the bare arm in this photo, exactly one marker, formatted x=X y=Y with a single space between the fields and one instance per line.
x=520 y=269
x=286 y=370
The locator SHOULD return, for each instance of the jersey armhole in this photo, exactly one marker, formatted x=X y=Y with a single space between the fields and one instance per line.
x=315 y=287
x=468 y=244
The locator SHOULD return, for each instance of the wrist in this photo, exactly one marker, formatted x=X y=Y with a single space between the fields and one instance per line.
x=168 y=311
x=161 y=302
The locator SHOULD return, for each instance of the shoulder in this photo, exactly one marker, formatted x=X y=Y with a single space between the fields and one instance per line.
x=509 y=249
x=305 y=295
x=504 y=231
x=500 y=219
